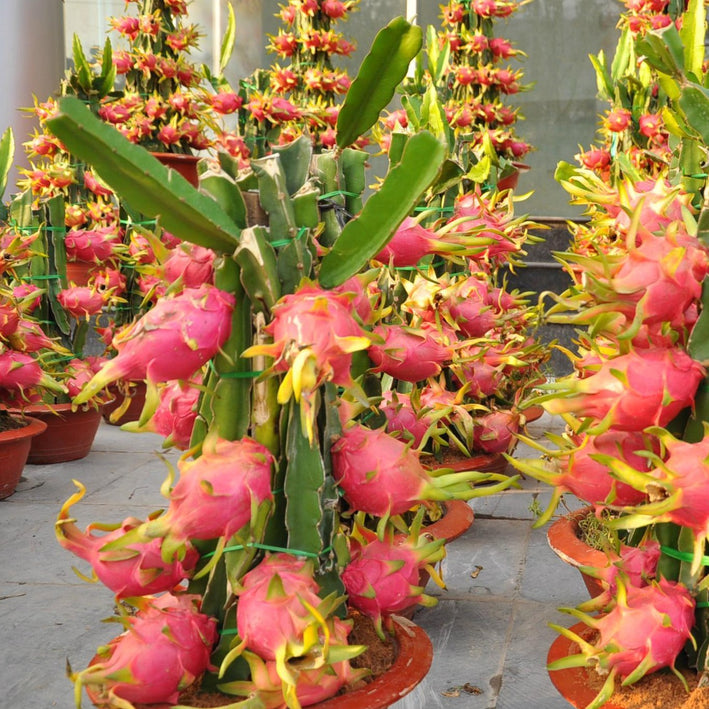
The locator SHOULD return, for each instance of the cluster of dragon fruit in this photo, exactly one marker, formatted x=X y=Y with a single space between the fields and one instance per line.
x=635 y=445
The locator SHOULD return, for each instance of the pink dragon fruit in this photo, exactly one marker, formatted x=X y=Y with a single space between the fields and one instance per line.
x=382 y=476
x=215 y=494
x=193 y=265
x=642 y=633
x=176 y=413
x=166 y=647
x=271 y=614
x=97 y=245
x=409 y=354
x=470 y=306
x=309 y=685
x=402 y=421
x=633 y=391
x=110 y=282
x=479 y=369
x=494 y=432
x=81 y=301
x=20 y=374
x=29 y=337
x=384 y=575
x=9 y=318
x=81 y=371
x=637 y=566
x=314 y=335
x=410 y=243
x=171 y=341
x=136 y=570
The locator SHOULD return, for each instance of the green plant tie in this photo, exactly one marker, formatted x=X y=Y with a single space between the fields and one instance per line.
x=47 y=277
x=682 y=555
x=698 y=175
x=284 y=242
x=269 y=547
x=440 y=262
x=145 y=222
x=29 y=228
x=336 y=193
x=443 y=210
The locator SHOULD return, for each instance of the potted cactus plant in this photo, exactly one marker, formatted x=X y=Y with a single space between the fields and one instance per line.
x=272 y=506
x=636 y=444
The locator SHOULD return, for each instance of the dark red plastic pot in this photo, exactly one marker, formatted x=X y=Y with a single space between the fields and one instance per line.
x=186 y=165
x=69 y=434
x=136 y=391
x=14 y=450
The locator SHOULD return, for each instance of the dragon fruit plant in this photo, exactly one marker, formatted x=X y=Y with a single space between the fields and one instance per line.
x=271 y=494
x=636 y=440
x=301 y=93
x=633 y=139
x=460 y=89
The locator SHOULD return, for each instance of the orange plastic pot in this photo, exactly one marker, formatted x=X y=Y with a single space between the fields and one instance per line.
x=136 y=391
x=564 y=537
x=574 y=683
x=14 y=450
x=80 y=272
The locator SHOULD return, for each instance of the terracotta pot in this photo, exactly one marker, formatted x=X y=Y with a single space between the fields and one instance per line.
x=186 y=165
x=574 y=683
x=482 y=462
x=14 y=450
x=69 y=434
x=137 y=401
x=457 y=519
x=509 y=182
x=80 y=272
x=533 y=413
x=413 y=660
x=564 y=539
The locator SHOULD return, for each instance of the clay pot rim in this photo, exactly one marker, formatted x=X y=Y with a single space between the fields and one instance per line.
x=572 y=683
x=457 y=518
x=413 y=661
x=59 y=408
x=33 y=428
x=563 y=538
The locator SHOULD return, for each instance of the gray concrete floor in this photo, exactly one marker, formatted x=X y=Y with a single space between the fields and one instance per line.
x=489 y=629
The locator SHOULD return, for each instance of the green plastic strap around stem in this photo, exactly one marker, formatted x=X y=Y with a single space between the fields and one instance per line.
x=31 y=229
x=698 y=175
x=269 y=547
x=336 y=193
x=703 y=604
x=682 y=555
x=284 y=242
x=444 y=210
x=145 y=222
x=441 y=262
x=47 y=277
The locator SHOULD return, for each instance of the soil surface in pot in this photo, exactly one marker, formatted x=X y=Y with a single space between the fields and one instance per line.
x=378 y=657
x=9 y=423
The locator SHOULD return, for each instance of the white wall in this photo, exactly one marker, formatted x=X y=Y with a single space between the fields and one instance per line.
x=32 y=57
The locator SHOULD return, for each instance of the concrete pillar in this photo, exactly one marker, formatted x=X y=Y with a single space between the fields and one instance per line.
x=32 y=57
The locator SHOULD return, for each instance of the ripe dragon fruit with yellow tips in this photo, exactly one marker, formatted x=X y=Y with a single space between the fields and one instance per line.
x=137 y=569
x=311 y=684
x=171 y=341
x=165 y=647
x=632 y=391
x=314 y=335
x=81 y=301
x=644 y=632
x=383 y=576
x=214 y=496
x=382 y=476
x=20 y=377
